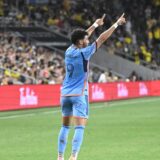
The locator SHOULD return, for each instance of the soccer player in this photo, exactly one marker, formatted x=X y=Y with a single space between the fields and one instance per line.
x=74 y=92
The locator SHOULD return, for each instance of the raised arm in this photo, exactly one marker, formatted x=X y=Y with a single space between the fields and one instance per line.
x=106 y=34
x=97 y=23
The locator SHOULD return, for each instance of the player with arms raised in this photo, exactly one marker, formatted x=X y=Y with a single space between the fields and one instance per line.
x=74 y=92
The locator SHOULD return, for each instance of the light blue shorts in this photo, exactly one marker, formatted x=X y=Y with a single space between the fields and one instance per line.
x=77 y=106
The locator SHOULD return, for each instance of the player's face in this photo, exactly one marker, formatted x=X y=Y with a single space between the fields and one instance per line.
x=85 y=41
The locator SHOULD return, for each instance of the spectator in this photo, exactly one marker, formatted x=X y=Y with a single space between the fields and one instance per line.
x=23 y=66
x=133 y=76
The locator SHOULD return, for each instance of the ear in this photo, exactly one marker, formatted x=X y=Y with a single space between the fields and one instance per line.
x=80 y=42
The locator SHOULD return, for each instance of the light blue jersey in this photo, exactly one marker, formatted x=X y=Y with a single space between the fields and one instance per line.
x=76 y=65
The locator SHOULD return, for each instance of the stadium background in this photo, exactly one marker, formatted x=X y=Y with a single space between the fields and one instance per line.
x=33 y=37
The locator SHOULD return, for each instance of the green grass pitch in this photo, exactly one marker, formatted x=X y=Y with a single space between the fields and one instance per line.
x=120 y=130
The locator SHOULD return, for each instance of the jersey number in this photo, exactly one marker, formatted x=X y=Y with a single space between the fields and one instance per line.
x=70 y=69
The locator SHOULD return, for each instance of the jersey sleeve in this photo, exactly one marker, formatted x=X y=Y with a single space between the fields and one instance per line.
x=89 y=50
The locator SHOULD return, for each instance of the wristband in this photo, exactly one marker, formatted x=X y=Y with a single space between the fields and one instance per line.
x=95 y=25
x=115 y=25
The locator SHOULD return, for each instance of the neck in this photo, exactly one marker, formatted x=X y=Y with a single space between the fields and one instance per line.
x=78 y=46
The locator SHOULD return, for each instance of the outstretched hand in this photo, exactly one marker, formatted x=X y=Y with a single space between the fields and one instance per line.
x=100 y=21
x=121 y=20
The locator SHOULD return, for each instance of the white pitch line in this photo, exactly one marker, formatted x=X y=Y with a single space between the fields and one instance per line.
x=94 y=107
x=15 y=116
x=118 y=103
x=28 y=115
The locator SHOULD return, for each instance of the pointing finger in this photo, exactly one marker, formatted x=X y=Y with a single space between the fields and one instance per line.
x=122 y=15
x=104 y=15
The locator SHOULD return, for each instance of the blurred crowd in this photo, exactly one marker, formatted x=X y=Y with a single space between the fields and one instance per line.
x=102 y=76
x=25 y=63
x=138 y=41
x=22 y=62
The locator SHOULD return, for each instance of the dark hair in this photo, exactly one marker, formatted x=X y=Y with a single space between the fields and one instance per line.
x=77 y=35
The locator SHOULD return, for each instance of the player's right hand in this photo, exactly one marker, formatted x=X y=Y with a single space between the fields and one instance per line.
x=100 y=21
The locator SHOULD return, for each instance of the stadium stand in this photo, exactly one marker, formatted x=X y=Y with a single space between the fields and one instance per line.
x=139 y=41
x=22 y=62
x=45 y=25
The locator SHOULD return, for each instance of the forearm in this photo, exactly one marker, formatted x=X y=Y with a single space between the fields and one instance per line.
x=91 y=29
x=97 y=23
x=105 y=35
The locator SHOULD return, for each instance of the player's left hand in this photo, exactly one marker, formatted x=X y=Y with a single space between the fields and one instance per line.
x=121 y=20
x=100 y=21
